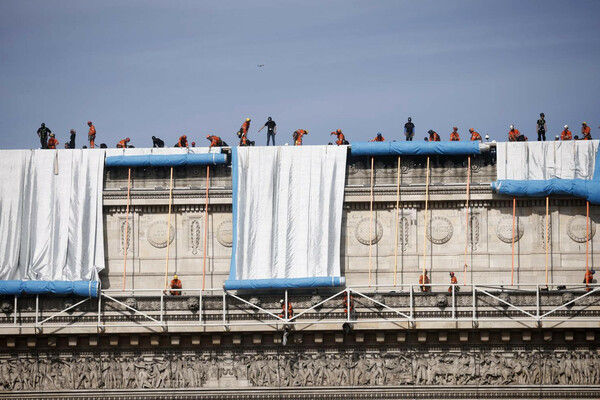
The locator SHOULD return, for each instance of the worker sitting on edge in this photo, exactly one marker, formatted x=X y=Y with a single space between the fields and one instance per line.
x=52 y=142
x=454 y=136
x=91 y=134
x=123 y=143
x=453 y=281
x=215 y=141
x=424 y=281
x=297 y=136
x=513 y=134
x=566 y=134
x=586 y=131
x=433 y=136
x=474 y=135
x=156 y=142
x=378 y=138
x=182 y=142
x=176 y=284
x=341 y=139
x=290 y=312
x=588 y=278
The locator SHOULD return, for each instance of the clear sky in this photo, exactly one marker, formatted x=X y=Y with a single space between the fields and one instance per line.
x=167 y=68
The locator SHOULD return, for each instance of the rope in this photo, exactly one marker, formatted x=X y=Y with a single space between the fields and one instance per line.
x=169 y=229
x=205 y=225
x=467 y=218
x=425 y=217
x=547 y=208
x=397 y=222
x=125 y=245
x=371 y=224
x=512 y=268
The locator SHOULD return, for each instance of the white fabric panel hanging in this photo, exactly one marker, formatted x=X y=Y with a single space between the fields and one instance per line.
x=51 y=214
x=289 y=211
x=546 y=160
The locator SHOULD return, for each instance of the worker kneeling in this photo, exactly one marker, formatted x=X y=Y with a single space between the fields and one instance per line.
x=176 y=284
x=123 y=143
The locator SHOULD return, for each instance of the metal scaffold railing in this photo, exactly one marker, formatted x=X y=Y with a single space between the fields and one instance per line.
x=528 y=305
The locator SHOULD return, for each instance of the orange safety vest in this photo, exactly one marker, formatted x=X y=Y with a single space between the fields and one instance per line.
x=290 y=311
x=378 y=139
x=340 y=138
x=298 y=137
x=586 y=132
x=434 y=137
x=92 y=131
x=182 y=142
x=513 y=135
x=245 y=127
x=122 y=144
x=215 y=141
x=346 y=303
x=566 y=135
x=176 y=284
x=453 y=281
x=475 y=136
x=52 y=143
x=454 y=137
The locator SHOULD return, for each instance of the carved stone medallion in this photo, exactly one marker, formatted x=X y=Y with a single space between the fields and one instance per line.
x=440 y=230
x=225 y=233
x=157 y=234
x=504 y=229
x=576 y=228
x=362 y=232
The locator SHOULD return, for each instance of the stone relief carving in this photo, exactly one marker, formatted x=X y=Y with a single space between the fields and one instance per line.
x=125 y=235
x=403 y=231
x=474 y=230
x=576 y=228
x=225 y=233
x=195 y=235
x=543 y=231
x=504 y=229
x=157 y=234
x=191 y=369
x=364 y=236
x=440 y=230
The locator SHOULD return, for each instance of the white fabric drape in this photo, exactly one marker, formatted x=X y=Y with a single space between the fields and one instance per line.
x=546 y=160
x=51 y=214
x=289 y=211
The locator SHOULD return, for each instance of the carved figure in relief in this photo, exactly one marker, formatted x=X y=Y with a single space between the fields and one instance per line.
x=213 y=371
x=420 y=368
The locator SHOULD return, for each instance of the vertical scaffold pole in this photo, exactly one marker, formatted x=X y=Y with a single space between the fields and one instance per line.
x=371 y=224
x=205 y=226
x=467 y=220
x=126 y=244
x=587 y=241
x=546 y=236
x=169 y=230
x=425 y=223
x=397 y=223
x=512 y=267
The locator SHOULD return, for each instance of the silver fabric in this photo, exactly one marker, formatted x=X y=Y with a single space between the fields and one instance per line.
x=51 y=214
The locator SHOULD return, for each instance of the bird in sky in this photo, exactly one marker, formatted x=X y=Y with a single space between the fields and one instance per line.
x=260 y=65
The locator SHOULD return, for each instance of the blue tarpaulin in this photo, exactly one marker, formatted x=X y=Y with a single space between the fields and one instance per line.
x=78 y=288
x=414 y=148
x=289 y=283
x=171 y=160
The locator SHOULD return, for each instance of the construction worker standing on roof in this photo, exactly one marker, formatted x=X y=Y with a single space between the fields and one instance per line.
x=454 y=136
x=176 y=284
x=43 y=133
x=72 y=139
x=513 y=134
x=123 y=143
x=453 y=281
x=52 y=142
x=182 y=141
x=542 y=128
x=297 y=136
x=341 y=139
x=474 y=135
x=586 y=131
x=566 y=134
x=433 y=136
x=409 y=130
x=424 y=282
x=215 y=141
x=378 y=138
x=91 y=134
x=243 y=133
x=271 y=130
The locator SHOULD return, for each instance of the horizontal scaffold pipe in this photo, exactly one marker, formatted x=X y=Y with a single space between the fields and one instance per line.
x=414 y=148
x=171 y=160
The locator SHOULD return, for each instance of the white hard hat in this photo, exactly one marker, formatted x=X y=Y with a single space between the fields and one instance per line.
x=487 y=137
x=512 y=127
x=566 y=126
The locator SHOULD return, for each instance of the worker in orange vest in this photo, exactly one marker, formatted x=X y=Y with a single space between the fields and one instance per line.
x=123 y=143
x=566 y=134
x=290 y=312
x=215 y=141
x=424 y=281
x=182 y=141
x=297 y=136
x=474 y=135
x=433 y=136
x=341 y=139
x=588 y=278
x=91 y=134
x=176 y=284
x=347 y=297
x=378 y=138
x=586 y=131
x=52 y=142
x=454 y=136
x=513 y=134
x=453 y=281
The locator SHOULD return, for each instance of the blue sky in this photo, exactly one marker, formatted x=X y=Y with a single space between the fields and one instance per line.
x=167 y=68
